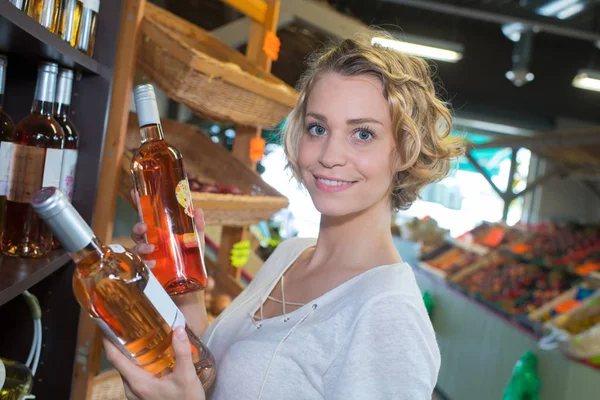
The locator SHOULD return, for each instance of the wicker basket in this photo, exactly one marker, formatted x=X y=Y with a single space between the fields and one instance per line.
x=108 y=386
x=212 y=163
x=217 y=82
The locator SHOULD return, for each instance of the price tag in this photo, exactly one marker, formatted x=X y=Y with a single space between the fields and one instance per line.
x=257 y=149
x=271 y=45
x=494 y=237
x=240 y=253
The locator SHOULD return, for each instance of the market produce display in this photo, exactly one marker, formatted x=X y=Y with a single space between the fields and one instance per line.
x=453 y=260
x=514 y=287
x=222 y=188
x=562 y=246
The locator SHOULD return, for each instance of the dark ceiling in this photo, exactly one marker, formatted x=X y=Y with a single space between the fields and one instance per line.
x=477 y=83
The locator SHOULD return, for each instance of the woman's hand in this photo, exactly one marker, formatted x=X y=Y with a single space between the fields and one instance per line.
x=144 y=249
x=181 y=384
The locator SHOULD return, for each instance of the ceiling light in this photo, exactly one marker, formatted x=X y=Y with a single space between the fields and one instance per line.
x=554 y=7
x=570 y=11
x=513 y=31
x=421 y=50
x=587 y=79
x=520 y=73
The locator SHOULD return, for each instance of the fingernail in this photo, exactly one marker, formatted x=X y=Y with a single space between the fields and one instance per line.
x=180 y=333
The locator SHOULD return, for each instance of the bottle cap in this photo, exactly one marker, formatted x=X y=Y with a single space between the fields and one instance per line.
x=64 y=86
x=46 y=83
x=145 y=105
x=51 y=205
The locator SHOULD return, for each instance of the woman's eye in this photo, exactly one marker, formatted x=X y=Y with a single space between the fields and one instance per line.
x=317 y=130
x=364 y=135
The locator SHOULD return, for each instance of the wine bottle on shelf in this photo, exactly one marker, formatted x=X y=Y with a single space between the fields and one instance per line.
x=7 y=128
x=120 y=293
x=36 y=161
x=86 y=36
x=62 y=114
x=69 y=19
x=20 y=4
x=62 y=108
x=45 y=12
x=16 y=380
x=165 y=203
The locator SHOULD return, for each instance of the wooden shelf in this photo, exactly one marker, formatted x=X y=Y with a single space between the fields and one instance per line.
x=19 y=274
x=22 y=36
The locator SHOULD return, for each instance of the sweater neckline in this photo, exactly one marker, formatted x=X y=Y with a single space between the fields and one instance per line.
x=316 y=301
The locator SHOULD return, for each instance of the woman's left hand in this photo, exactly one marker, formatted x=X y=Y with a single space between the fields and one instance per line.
x=182 y=383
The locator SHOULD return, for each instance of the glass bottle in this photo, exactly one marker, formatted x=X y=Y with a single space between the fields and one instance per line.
x=16 y=380
x=7 y=128
x=45 y=12
x=120 y=293
x=62 y=114
x=62 y=110
x=36 y=162
x=20 y=4
x=86 y=36
x=68 y=24
x=165 y=203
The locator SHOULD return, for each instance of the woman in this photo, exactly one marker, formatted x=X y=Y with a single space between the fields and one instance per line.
x=340 y=317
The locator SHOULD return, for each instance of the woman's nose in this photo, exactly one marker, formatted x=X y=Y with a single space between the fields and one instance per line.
x=333 y=152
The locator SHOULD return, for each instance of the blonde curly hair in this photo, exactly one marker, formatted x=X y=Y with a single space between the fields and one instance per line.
x=422 y=122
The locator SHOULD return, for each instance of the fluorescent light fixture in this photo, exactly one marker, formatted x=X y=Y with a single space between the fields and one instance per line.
x=587 y=79
x=555 y=6
x=493 y=127
x=570 y=11
x=421 y=50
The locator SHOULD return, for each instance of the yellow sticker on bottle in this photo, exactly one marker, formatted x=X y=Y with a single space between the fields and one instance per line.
x=184 y=197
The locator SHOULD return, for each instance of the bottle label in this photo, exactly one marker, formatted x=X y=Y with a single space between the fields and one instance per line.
x=67 y=172
x=52 y=168
x=25 y=173
x=113 y=338
x=117 y=248
x=162 y=302
x=2 y=374
x=6 y=155
x=184 y=197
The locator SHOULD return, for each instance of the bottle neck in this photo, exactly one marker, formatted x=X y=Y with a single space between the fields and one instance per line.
x=42 y=107
x=63 y=110
x=87 y=257
x=151 y=133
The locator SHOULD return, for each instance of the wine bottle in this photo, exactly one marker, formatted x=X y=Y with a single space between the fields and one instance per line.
x=63 y=117
x=86 y=35
x=120 y=293
x=18 y=3
x=36 y=162
x=69 y=19
x=45 y=12
x=7 y=128
x=165 y=203
x=16 y=380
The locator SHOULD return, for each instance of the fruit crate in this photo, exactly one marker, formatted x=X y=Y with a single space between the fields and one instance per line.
x=511 y=287
x=564 y=247
x=487 y=237
x=210 y=162
x=450 y=262
x=217 y=82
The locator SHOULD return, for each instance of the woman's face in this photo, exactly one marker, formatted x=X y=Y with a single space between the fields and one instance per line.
x=347 y=147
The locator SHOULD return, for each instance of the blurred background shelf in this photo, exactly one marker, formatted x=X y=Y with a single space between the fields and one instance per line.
x=19 y=34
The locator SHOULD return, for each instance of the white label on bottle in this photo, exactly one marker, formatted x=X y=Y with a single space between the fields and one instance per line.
x=2 y=374
x=67 y=172
x=6 y=154
x=117 y=248
x=93 y=5
x=113 y=338
x=162 y=302
x=52 y=167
